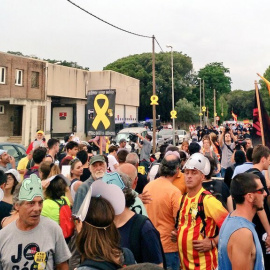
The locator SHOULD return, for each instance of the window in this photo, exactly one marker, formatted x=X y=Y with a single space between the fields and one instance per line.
x=35 y=79
x=19 y=77
x=3 y=71
x=2 y=109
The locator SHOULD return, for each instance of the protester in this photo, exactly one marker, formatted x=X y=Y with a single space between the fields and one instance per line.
x=25 y=241
x=218 y=188
x=163 y=208
x=246 y=165
x=137 y=232
x=261 y=162
x=239 y=245
x=103 y=140
x=112 y=158
x=146 y=148
x=22 y=165
x=53 y=149
x=199 y=216
x=5 y=159
x=121 y=156
x=71 y=150
x=131 y=171
x=38 y=156
x=83 y=157
x=40 y=141
x=122 y=145
x=97 y=229
x=184 y=147
x=76 y=170
x=227 y=147
x=55 y=197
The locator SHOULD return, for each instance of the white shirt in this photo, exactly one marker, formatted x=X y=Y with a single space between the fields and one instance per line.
x=112 y=161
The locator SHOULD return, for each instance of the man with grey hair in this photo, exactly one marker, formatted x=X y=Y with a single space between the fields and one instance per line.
x=32 y=241
x=163 y=209
x=131 y=171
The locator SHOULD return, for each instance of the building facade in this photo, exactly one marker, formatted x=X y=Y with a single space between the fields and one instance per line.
x=35 y=94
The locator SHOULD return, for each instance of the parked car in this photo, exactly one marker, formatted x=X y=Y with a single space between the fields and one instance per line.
x=16 y=150
x=182 y=135
x=167 y=134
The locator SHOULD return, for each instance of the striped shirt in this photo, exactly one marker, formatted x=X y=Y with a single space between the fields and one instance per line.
x=189 y=229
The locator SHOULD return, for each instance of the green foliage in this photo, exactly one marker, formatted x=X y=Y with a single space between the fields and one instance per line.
x=187 y=112
x=264 y=91
x=215 y=77
x=140 y=67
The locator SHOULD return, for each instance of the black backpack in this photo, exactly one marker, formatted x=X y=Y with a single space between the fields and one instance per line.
x=134 y=238
x=200 y=213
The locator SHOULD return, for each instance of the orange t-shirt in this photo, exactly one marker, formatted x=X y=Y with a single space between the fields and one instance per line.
x=179 y=182
x=163 y=209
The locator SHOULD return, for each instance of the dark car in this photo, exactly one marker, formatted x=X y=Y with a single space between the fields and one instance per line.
x=16 y=150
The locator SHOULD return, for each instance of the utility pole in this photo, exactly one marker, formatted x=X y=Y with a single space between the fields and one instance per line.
x=215 y=122
x=154 y=93
x=203 y=104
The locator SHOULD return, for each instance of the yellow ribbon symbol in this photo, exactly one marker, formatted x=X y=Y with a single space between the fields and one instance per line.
x=101 y=112
x=154 y=100
x=173 y=114
x=204 y=109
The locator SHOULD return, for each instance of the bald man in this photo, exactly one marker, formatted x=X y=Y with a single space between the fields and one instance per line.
x=131 y=171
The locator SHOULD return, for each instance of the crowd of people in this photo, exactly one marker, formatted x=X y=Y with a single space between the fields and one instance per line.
x=67 y=206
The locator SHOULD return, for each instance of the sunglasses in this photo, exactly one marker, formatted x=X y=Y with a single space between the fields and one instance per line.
x=259 y=191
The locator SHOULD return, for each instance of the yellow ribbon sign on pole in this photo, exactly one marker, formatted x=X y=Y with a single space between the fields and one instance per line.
x=154 y=100
x=101 y=112
x=173 y=114
x=204 y=109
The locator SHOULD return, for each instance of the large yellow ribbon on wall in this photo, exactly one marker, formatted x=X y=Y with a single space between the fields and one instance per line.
x=101 y=112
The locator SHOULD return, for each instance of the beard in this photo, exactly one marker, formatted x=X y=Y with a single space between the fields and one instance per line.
x=98 y=174
x=257 y=207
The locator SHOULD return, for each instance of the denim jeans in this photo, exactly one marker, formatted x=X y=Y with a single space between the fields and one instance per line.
x=222 y=171
x=172 y=260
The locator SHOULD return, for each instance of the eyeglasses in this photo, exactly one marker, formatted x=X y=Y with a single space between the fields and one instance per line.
x=259 y=191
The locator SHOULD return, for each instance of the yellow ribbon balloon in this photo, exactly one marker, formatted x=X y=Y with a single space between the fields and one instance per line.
x=101 y=112
x=173 y=114
x=154 y=100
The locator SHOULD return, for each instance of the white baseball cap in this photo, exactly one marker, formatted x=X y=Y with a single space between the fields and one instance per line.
x=15 y=173
x=2 y=151
x=199 y=162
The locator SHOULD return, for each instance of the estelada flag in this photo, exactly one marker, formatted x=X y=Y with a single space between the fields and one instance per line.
x=234 y=116
x=256 y=132
x=266 y=81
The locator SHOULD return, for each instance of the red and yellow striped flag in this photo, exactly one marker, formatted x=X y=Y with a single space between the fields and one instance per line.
x=266 y=81
x=234 y=116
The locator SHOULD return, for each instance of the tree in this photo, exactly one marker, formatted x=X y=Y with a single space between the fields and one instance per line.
x=215 y=77
x=139 y=66
x=264 y=91
x=187 y=112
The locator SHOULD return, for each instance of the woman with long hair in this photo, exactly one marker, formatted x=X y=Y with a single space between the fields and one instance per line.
x=98 y=239
x=76 y=170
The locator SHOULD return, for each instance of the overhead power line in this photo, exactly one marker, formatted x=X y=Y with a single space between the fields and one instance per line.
x=119 y=28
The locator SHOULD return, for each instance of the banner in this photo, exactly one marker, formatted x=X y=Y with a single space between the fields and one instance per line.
x=100 y=112
x=256 y=132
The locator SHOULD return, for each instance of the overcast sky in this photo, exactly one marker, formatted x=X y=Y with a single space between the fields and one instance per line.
x=235 y=32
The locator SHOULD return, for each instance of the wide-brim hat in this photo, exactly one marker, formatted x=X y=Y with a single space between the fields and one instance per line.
x=15 y=173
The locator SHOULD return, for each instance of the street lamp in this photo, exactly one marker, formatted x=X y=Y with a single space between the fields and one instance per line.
x=200 y=101
x=169 y=46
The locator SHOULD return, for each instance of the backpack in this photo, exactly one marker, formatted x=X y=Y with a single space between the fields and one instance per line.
x=103 y=265
x=200 y=213
x=65 y=220
x=135 y=236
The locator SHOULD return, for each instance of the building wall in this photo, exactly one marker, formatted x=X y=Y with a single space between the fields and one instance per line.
x=28 y=65
x=6 y=124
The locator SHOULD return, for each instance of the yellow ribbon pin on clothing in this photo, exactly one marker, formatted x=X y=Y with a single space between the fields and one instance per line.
x=101 y=112
x=173 y=114
x=154 y=100
x=141 y=170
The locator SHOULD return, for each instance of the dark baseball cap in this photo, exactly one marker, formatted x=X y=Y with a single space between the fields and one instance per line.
x=97 y=158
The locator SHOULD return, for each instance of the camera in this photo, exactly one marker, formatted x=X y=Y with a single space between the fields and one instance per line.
x=133 y=137
x=227 y=128
x=238 y=145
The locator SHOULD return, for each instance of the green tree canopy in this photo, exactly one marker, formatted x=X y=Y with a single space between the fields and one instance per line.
x=139 y=66
x=215 y=77
x=187 y=112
